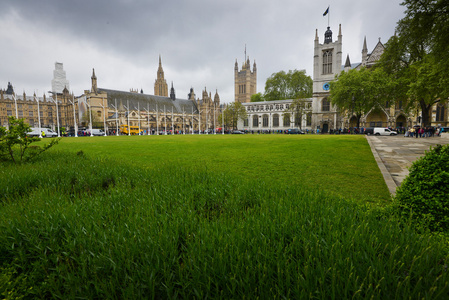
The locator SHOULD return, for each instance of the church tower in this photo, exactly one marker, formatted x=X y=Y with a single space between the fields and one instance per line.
x=160 y=85
x=327 y=62
x=245 y=81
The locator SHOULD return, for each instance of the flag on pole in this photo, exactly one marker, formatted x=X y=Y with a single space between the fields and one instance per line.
x=326 y=12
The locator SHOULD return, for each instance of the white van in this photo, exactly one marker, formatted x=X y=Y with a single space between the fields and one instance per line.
x=383 y=131
x=35 y=131
x=96 y=132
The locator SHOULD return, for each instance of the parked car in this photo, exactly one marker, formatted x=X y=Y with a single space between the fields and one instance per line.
x=295 y=131
x=35 y=131
x=237 y=132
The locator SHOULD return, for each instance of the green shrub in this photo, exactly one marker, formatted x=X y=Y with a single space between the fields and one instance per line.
x=423 y=196
x=15 y=144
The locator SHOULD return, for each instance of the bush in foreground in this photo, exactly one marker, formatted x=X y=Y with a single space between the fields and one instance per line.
x=423 y=196
x=15 y=144
x=83 y=228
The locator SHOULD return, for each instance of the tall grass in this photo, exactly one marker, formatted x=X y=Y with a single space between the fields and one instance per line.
x=79 y=227
x=342 y=165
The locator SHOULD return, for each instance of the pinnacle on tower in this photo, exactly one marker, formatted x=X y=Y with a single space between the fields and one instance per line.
x=348 y=62
x=328 y=36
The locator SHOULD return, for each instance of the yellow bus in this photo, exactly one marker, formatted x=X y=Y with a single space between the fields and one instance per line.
x=133 y=129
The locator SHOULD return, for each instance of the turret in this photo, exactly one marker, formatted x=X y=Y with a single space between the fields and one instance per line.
x=172 y=92
x=216 y=98
x=364 y=52
x=94 y=82
x=328 y=36
x=347 y=64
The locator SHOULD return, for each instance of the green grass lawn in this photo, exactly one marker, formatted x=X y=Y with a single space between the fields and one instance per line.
x=195 y=217
x=343 y=165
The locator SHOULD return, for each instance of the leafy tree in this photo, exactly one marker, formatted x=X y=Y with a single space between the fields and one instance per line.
x=96 y=120
x=358 y=91
x=257 y=97
x=296 y=109
x=15 y=143
x=292 y=85
x=232 y=114
x=416 y=57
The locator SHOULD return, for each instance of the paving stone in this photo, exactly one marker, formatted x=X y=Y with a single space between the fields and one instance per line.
x=395 y=154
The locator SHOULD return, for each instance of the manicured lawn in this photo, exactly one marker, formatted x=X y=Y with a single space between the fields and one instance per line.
x=227 y=217
x=343 y=165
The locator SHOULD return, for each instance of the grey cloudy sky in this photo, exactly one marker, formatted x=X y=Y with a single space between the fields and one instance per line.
x=198 y=40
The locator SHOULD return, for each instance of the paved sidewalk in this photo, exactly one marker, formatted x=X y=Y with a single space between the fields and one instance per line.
x=395 y=154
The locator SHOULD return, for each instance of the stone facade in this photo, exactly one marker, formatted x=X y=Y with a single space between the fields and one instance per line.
x=276 y=116
x=245 y=81
x=327 y=61
x=152 y=113
x=35 y=109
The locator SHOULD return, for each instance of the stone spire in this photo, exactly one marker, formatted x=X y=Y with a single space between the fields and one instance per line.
x=172 y=92
x=160 y=85
x=364 y=52
x=94 y=81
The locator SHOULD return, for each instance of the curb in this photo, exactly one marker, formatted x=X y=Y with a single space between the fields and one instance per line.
x=383 y=169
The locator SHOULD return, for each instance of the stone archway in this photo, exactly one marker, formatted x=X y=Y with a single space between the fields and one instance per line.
x=353 y=122
x=377 y=118
x=401 y=121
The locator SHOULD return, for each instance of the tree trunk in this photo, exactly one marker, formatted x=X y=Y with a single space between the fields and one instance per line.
x=358 y=120
x=425 y=113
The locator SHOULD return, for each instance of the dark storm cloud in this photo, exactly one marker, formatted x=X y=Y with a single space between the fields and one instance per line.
x=199 y=40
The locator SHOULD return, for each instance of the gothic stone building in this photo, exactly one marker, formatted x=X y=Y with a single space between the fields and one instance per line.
x=152 y=113
x=328 y=63
x=245 y=81
x=35 y=109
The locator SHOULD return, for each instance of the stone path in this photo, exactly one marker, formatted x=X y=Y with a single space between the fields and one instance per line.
x=395 y=154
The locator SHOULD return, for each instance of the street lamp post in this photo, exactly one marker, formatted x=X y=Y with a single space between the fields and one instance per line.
x=57 y=112
x=165 y=121
x=104 y=117
x=157 y=120
x=90 y=116
x=183 y=123
x=199 y=121
x=74 y=118
x=148 y=117
x=15 y=103
x=116 y=117
x=127 y=108
x=207 y=120
x=38 y=115
x=138 y=115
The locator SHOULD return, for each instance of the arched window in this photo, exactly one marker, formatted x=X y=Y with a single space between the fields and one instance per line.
x=276 y=120
x=265 y=121
x=286 y=120
x=440 y=113
x=245 y=122
x=255 y=121
x=309 y=119
x=325 y=105
x=327 y=62
x=298 y=119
